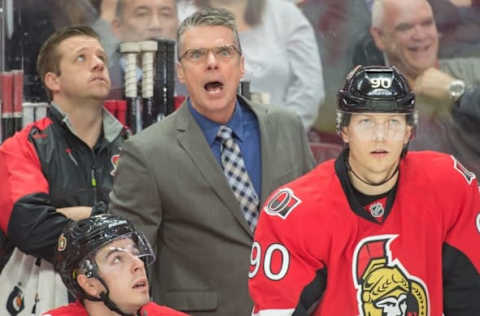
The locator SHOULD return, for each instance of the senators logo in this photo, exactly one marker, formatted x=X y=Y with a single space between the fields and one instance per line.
x=114 y=161
x=15 y=301
x=384 y=286
x=62 y=243
x=282 y=203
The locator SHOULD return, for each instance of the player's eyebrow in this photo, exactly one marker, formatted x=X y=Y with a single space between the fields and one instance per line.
x=111 y=251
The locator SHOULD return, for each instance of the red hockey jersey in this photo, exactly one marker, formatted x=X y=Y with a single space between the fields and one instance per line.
x=317 y=252
x=77 y=309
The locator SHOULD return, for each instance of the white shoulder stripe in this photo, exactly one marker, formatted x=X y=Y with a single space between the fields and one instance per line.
x=274 y=312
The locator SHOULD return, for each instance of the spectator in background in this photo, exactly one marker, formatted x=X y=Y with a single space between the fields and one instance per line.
x=457 y=24
x=103 y=261
x=282 y=61
x=140 y=20
x=59 y=168
x=405 y=31
x=175 y=179
x=106 y=10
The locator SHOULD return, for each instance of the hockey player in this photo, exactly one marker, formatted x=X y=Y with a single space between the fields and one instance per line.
x=380 y=231
x=102 y=260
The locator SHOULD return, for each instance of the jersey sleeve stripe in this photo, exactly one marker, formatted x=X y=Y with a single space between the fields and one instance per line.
x=274 y=312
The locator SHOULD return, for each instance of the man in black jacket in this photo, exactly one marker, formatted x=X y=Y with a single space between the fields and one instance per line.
x=59 y=168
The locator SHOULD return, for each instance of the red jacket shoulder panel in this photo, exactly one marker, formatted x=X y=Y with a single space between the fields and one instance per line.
x=20 y=169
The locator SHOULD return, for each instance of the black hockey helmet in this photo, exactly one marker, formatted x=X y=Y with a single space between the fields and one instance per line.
x=81 y=240
x=376 y=89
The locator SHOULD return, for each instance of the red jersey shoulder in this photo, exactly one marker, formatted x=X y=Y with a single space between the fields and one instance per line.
x=301 y=193
x=438 y=169
x=153 y=309
x=72 y=309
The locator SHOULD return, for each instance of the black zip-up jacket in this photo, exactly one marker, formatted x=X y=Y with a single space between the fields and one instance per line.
x=49 y=167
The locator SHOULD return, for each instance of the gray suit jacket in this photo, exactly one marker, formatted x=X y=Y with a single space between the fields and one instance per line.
x=170 y=185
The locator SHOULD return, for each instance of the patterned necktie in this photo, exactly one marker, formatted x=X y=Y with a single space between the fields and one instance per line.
x=237 y=176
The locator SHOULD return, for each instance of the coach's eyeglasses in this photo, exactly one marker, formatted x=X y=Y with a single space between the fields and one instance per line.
x=199 y=55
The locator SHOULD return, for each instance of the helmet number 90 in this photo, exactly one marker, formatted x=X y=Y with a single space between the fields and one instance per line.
x=381 y=82
x=276 y=261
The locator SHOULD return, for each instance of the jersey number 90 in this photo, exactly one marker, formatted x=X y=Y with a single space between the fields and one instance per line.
x=275 y=261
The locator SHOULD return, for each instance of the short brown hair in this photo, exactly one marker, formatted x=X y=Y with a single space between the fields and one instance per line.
x=209 y=17
x=48 y=59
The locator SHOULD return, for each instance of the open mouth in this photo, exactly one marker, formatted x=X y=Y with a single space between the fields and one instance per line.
x=99 y=79
x=213 y=86
x=141 y=284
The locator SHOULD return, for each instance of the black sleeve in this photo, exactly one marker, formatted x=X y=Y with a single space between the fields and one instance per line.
x=35 y=225
x=311 y=294
x=6 y=249
x=469 y=104
x=461 y=284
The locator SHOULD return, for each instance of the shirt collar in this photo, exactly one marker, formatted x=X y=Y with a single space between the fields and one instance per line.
x=111 y=127
x=64 y=116
x=210 y=128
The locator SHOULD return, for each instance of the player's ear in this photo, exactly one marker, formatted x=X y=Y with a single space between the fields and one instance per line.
x=52 y=81
x=345 y=134
x=180 y=74
x=408 y=134
x=91 y=286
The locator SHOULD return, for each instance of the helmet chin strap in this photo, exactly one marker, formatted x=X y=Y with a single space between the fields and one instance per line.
x=111 y=305
x=105 y=298
x=375 y=184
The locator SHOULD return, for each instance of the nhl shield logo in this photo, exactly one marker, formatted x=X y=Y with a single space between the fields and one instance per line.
x=376 y=209
x=282 y=203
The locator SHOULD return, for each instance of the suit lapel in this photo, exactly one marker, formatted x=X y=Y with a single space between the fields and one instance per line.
x=192 y=140
x=267 y=150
